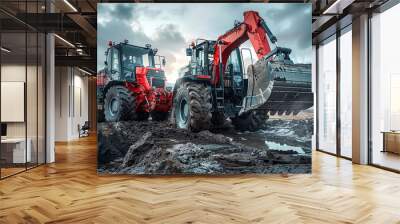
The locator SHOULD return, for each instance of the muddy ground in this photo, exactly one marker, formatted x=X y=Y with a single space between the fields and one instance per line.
x=159 y=148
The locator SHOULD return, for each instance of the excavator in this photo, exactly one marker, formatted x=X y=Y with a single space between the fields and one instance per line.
x=214 y=86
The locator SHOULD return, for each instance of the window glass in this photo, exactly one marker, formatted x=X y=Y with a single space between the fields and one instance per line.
x=115 y=64
x=145 y=60
x=133 y=56
x=327 y=96
x=16 y=150
x=115 y=60
x=194 y=61
x=22 y=79
x=109 y=56
x=200 y=61
x=346 y=94
x=234 y=61
x=157 y=61
x=385 y=89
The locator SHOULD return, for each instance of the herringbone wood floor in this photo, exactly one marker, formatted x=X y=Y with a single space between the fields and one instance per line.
x=70 y=191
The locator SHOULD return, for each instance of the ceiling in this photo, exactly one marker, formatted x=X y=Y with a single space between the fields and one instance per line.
x=74 y=22
x=332 y=15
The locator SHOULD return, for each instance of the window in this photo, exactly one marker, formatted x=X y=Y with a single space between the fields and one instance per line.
x=234 y=61
x=385 y=89
x=394 y=102
x=115 y=60
x=109 y=56
x=146 y=60
x=346 y=93
x=200 y=60
x=334 y=106
x=115 y=66
x=327 y=96
x=22 y=74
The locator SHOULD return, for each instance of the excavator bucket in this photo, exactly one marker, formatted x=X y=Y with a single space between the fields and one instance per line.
x=278 y=86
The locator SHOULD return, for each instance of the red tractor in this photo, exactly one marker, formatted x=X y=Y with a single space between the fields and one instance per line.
x=132 y=86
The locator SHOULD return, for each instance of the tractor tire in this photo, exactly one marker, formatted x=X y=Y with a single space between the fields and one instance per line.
x=159 y=116
x=251 y=121
x=119 y=105
x=192 y=107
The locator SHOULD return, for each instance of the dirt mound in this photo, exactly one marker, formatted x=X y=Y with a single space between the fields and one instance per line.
x=159 y=148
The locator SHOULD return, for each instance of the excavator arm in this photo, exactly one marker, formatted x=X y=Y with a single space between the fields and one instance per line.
x=253 y=28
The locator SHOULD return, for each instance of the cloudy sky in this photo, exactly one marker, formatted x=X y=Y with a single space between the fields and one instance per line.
x=172 y=27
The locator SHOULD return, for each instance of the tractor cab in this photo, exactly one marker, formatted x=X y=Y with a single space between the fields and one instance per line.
x=124 y=61
x=132 y=84
x=200 y=68
x=201 y=56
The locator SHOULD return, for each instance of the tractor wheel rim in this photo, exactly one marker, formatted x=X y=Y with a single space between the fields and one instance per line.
x=184 y=110
x=114 y=105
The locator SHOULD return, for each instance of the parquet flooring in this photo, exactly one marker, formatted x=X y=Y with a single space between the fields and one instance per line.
x=10 y=171
x=70 y=191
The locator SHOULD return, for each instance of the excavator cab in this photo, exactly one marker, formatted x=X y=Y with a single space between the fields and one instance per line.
x=201 y=62
x=234 y=72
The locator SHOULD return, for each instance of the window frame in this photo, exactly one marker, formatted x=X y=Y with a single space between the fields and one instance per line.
x=334 y=37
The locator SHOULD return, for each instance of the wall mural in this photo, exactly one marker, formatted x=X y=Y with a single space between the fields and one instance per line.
x=204 y=88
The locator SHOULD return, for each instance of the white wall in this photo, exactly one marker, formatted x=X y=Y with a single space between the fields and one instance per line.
x=61 y=103
x=33 y=126
x=71 y=102
x=16 y=73
x=81 y=108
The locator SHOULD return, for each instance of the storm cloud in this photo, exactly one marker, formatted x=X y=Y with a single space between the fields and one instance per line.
x=172 y=27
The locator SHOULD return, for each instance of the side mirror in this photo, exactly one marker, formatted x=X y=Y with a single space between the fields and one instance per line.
x=163 y=62
x=189 y=52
